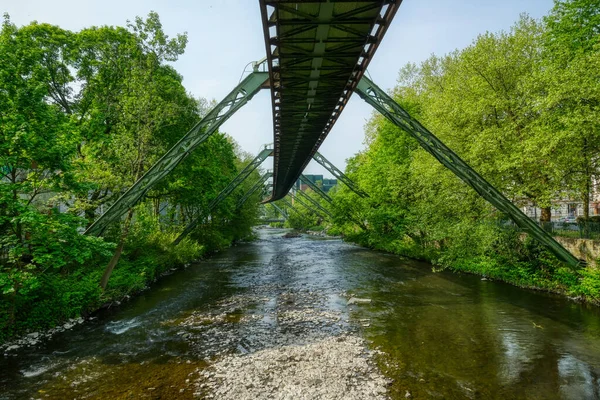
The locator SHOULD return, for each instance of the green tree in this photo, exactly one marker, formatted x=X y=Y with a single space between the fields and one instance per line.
x=571 y=101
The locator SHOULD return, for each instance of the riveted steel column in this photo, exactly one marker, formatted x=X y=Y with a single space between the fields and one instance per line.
x=314 y=203
x=307 y=206
x=396 y=114
x=315 y=188
x=283 y=213
x=318 y=157
x=195 y=136
x=289 y=205
x=241 y=177
x=257 y=185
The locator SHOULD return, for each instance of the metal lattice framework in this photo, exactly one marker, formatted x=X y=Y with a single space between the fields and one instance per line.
x=257 y=185
x=397 y=115
x=241 y=177
x=309 y=207
x=313 y=202
x=315 y=188
x=280 y=211
x=318 y=157
x=317 y=52
x=194 y=137
x=289 y=205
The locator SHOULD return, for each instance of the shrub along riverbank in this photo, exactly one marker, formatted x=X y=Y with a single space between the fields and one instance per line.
x=523 y=109
x=83 y=115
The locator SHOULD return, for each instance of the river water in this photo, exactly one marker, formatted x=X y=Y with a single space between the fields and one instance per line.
x=441 y=335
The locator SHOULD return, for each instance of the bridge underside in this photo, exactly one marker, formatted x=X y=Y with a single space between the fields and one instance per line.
x=317 y=52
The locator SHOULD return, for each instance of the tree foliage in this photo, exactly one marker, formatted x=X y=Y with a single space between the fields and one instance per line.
x=83 y=115
x=521 y=107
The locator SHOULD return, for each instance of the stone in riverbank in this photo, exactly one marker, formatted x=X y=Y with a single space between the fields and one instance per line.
x=34 y=338
x=333 y=368
x=356 y=300
x=291 y=235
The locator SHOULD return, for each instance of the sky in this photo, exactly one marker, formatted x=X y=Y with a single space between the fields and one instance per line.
x=225 y=35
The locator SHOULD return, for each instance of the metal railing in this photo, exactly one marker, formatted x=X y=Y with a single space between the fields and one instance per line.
x=580 y=230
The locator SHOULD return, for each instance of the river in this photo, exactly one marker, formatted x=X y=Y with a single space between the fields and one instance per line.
x=437 y=335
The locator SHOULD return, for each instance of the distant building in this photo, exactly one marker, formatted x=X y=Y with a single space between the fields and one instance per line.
x=328 y=184
x=325 y=184
x=567 y=208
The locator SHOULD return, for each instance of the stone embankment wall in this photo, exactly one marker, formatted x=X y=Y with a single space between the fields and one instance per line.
x=586 y=249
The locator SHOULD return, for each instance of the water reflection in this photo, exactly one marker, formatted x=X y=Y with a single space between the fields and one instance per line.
x=451 y=336
x=442 y=335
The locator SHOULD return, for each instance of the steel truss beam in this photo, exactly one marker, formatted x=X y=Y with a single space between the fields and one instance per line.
x=265 y=219
x=290 y=206
x=314 y=203
x=241 y=177
x=194 y=137
x=318 y=157
x=383 y=103
x=280 y=211
x=305 y=205
x=257 y=185
x=317 y=51
x=315 y=188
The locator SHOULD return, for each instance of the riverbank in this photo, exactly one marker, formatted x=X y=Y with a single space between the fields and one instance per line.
x=269 y=317
x=545 y=274
x=63 y=301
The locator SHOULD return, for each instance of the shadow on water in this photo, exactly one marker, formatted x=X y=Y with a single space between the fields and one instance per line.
x=442 y=335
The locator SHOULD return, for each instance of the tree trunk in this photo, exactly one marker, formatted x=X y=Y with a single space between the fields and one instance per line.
x=586 y=199
x=90 y=213
x=546 y=219
x=157 y=207
x=546 y=214
x=115 y=258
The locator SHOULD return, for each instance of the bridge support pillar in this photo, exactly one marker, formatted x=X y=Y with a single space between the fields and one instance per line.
x=194 y=137
x=241 y=177
x=318 y=157
x=383 y=103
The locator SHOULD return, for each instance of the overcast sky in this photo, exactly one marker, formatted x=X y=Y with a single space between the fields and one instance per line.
x=224 y=35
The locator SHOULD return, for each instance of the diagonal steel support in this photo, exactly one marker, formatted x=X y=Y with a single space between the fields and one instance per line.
x=392 y=111
x=262 y=156
x=257 y=185
x=280 y=211
x=318 y=157
x=289 y=205
x=314 y=203
x=198 y=134
x=305 y=205
x=315 y=188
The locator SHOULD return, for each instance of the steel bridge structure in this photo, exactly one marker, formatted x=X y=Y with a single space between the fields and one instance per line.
x=317 y=52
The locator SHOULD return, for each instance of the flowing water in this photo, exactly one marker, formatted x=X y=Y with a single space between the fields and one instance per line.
x=441 y=335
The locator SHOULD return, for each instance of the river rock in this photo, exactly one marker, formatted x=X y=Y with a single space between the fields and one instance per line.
x=356 y=300
x=291 y=235
x=332 y=368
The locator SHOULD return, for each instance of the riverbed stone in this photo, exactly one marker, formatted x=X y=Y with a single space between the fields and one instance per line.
x=331 y=368
x=356 y=300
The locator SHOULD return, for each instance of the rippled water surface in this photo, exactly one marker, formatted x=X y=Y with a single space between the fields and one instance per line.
x=442 y=335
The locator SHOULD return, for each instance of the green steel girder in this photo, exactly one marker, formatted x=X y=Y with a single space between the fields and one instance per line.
x=194 y=137
x=265 y=219
x=241 y=177
x=318 y=157
x=317 y=52
x=315 y=188
x=314 y=203
x=305 y=205
x=289 y=205
x=257 y=185
x=383 y=103
x=280 y=211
